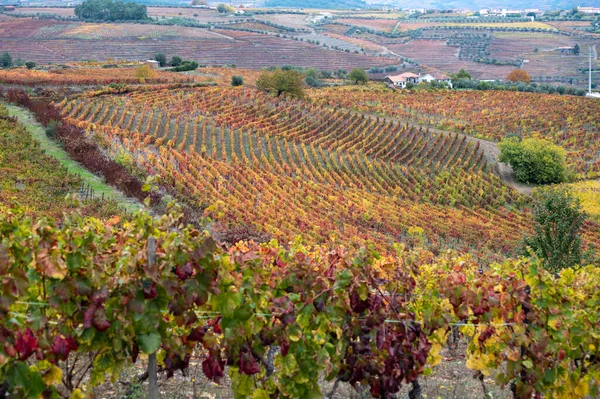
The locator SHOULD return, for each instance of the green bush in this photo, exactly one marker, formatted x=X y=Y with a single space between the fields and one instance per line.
x=176 y=60
x=237 y=80
x=185 y=66
x=51 y=129
x=6 y=60
x=557 y=230
x=534 y=160
x=161 y=58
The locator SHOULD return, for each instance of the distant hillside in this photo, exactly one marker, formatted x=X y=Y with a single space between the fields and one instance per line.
x=478 y=4
x=328 y=4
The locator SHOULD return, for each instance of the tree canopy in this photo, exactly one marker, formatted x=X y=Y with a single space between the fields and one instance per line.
x=277 y=82
x=519 y=75
x=534 y=160
x=557 y=230
x=161 y=58
x=111 y=10
x=358 y=76
x=462 y=74
x=6 y=60
x=225 y=8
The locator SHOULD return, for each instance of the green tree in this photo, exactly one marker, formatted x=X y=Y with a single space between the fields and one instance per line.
x=312 y=78
x=30 y=64
x=557 y=230
x=358 y=76
x=237 y=80
x=462 y=74
x=225 y=8
x=110 y=10
x=277 y=82
x=161 y=58
x=576 y=49
x=534 y=160
x=6 y=60
x=176 y=60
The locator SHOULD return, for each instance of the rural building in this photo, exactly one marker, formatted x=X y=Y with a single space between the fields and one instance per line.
x=403 y=79
x=9 y=8
x=589 y=10
x=153 y=64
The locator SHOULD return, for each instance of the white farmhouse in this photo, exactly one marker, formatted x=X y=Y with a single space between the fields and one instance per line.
x=403 y=79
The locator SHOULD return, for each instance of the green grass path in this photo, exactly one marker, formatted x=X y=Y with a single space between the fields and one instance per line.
x=53 y=149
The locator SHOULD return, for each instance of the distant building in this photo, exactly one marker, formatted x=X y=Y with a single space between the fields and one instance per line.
x=588 y=10
x=533 y=10
x=153 y=64
x=8 y=8
x=400 y=81
x=511 y=13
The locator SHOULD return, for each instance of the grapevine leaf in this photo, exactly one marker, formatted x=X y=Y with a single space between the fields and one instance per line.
x=26 y=380
x=149 y=343
x=260 y=394
x=294 y=332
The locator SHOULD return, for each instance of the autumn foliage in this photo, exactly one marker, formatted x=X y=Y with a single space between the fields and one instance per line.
x=519 y=75
x=376 y=322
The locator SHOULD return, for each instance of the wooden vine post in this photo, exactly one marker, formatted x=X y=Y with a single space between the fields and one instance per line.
x=152 y=376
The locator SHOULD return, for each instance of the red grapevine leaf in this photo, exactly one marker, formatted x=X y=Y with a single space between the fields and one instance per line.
x=26 y=344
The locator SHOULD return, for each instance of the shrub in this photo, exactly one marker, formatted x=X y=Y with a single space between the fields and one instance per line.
x=30 y=64
x=6 y=60
x=237 y=80
x=557 y=230
x=313 y=82
x=185 y=66
x=176 y=60
x=225 y=8
x=161 y=58
x=51 y=129
x=534 y=160
x=144 y=72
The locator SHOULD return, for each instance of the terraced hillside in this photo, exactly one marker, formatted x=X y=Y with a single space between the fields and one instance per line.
x=49 y=41
x=571 y=122
x=288 y=167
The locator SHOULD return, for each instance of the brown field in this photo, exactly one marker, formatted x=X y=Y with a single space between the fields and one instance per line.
x=63 y=41
x=296 y=21
x=435 y=53
x=31 y=40
x=63 y=12
x=514 y=44
x=384 y=25
x=254 y=26
x=573 y=26
x=334 y=28
x=406 y=25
